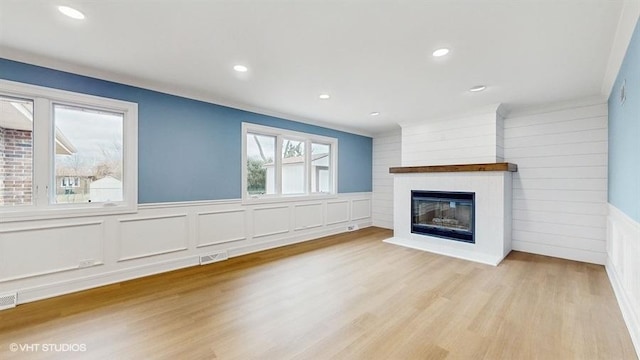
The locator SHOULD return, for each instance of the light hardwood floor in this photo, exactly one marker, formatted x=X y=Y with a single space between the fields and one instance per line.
x=349 y=296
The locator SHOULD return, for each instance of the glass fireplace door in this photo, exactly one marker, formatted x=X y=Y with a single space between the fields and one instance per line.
x=443 y=214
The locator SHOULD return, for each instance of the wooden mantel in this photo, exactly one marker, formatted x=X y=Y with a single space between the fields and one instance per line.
x=504 y=166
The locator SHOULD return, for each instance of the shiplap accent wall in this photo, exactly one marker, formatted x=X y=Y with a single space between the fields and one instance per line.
x=386 y=154
x=560 y=189
x=465 y=139
x=45 y=258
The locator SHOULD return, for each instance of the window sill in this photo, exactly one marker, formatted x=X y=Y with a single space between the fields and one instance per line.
x=287 y=198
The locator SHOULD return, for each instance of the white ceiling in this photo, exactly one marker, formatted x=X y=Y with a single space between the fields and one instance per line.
x=369 y=55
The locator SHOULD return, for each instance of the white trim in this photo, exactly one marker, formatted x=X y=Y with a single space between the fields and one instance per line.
x=294 y=239
x=308 y=139
x=171 y=89
x=593 y=257
x=221 y=242
x=155 y=253
x=152 y=218
x=629 y=16
x=35 y=293
x=165 y=205
x=61 y=226
x=628 y=312
x=44 y=184
x=175 y=204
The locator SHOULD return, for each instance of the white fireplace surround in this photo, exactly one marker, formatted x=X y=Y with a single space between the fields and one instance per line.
x=476 y=139
x=492 y=213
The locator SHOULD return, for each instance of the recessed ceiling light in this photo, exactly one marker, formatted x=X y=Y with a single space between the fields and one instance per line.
x=440 y=52
x=477 y=88
x=240 y=68
x=71 y=12
x=324 y=96
x=375 y=113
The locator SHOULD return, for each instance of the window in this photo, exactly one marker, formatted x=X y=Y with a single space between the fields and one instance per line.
x=16 y=152
x=65 y=154
x=284 y=164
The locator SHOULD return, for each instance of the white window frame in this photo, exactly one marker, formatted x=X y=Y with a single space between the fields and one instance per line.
x=44 y=178
x=279 y=134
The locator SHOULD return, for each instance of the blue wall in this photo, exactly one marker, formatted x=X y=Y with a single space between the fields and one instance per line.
x=191 y=150
x=624 y=134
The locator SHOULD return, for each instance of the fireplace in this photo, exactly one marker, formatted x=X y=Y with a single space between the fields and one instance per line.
x=448 y=215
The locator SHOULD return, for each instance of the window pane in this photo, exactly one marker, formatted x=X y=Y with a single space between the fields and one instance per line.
x=320 y=168
x=292 y=166
x=261 y=171
x=16 y=151
x=88 y=147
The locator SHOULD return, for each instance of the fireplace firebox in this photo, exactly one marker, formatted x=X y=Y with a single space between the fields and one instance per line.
x=448 y=215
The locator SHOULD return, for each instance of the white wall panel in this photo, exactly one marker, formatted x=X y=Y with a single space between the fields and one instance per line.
x=560 y=189
x=567 y=207
x=360 y=209
x=307 y=216
x=143 y=237
x=337 y=212
x=461 y=140
x=560 y=161
x=386 y=154
x=219 y=227
x=270 y=221
x=38 y=250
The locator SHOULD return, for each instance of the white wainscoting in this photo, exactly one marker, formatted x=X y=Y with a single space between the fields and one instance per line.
x=623 y=268
x=560 y=189
x=361 y=209
x=49 y=248
x=386 y=154
x=219 y=227
x=272 y=220
x=148 y=236
x=41 y=259
x=337 y=212
x=308 y=216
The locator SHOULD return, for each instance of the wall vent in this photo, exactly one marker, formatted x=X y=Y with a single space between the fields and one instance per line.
x=214 y=257
x=8 y=301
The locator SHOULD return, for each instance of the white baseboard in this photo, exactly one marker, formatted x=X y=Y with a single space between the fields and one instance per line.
x=244 y=250
x=45 y=291
x=626 y=307
x=587 y=256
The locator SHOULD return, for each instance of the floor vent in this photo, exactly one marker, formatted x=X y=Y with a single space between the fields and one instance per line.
x=8 y=301
x=215 y=257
